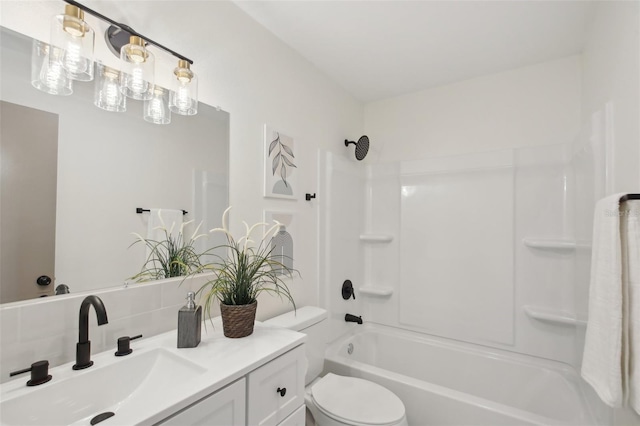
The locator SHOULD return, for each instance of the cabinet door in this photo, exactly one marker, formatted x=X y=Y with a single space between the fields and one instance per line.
x=276 y=389
x=225 y=407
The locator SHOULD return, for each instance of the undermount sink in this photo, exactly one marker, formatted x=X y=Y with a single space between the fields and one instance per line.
x=76 y=397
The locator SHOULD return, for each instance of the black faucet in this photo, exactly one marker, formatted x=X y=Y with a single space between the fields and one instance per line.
x=83 y=347
x=352 y=318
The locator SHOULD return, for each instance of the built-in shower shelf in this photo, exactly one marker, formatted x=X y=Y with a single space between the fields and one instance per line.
x=376 y=238
x=378 y=291
x=550 y=244
x=553 y=316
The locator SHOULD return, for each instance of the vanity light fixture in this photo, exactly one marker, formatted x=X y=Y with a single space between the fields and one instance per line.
x=75 y=37
x=107 y=95
x=183 y=99
x=136 y=78
x=48 y=75
x=70 y=56
x=156 y=110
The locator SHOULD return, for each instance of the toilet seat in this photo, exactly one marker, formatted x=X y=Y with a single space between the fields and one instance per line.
x=355 y=401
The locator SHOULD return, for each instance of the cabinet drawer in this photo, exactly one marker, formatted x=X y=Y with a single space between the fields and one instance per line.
x=276 y=389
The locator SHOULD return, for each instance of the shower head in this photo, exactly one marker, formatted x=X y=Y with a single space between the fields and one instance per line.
x=362 y=147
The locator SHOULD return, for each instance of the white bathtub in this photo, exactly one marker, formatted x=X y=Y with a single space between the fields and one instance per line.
x=449 y=383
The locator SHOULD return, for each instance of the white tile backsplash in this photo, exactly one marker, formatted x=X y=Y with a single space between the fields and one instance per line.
x=42 y=320
x=140 y=298
x=9 y=327
x=48 y=328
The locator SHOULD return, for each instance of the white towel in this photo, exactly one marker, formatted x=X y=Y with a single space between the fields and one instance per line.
x=603 y=358
x=631 y=276
x=611 y=361
x=161 y=219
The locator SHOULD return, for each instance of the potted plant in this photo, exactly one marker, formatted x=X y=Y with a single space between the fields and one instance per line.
x=248 y=269
x=172 y=256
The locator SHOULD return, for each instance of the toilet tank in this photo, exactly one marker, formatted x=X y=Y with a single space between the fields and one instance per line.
x=311 y=321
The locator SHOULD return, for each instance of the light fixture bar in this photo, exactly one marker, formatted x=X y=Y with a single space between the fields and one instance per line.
x=127 y=29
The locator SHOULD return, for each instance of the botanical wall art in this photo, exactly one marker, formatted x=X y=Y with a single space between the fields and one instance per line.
x=280 y=168
x=283 y=241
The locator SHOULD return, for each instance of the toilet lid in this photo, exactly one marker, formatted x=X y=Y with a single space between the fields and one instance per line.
x=356 y=400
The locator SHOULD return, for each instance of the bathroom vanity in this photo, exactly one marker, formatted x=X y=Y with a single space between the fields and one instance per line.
x=256 y=380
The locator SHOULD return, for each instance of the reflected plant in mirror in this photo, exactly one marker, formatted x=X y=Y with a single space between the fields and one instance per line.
x=171 y=256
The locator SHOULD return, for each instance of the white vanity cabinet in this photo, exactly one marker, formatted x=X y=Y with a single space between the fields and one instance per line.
x=222 y=408
x=270 y=395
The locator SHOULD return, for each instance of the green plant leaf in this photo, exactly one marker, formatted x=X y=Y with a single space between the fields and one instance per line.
x=242 y=274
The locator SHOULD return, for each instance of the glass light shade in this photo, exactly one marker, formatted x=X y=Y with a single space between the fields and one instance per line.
x=108 y=95
x=46 y=75
x=76 y=38
x=137 y=76
x=183 y=98
x=156 y=110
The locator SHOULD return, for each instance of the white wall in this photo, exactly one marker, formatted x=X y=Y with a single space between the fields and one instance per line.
x=259 y=80
x=535 y=105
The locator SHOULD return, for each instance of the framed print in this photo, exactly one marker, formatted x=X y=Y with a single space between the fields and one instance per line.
x=280 y=169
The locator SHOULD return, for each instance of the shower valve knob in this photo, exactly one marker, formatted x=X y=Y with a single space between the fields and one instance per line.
x=282 y=391
x=347 y=290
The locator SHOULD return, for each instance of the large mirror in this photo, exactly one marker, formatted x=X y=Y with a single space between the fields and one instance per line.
x=73 y=175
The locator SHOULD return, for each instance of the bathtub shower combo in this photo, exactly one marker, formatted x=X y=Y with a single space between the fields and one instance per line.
x=471 y=276
x=445 y=382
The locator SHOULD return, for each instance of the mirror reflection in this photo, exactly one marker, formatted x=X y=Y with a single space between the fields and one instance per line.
x=73 y=176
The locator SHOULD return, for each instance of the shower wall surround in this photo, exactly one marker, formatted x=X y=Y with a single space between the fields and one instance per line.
x=460 y=262
x=456 y=244
x=341 y=217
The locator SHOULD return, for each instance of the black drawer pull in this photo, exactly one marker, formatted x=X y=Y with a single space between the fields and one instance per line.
x=282 y=391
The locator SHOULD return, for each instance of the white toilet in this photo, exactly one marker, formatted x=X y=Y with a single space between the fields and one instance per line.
x=335 y=400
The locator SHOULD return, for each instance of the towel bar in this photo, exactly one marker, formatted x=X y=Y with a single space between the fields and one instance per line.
x=140 y=210
x=629 y=197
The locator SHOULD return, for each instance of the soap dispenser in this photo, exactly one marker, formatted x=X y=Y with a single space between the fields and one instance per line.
x=189 y=323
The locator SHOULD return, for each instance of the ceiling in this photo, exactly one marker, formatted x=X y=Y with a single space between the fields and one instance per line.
x=382 y=49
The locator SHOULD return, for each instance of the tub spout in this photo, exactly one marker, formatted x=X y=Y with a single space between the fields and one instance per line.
x=352 y=318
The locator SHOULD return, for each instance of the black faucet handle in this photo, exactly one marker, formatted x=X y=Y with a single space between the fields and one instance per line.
x=39 y=373
x=124 y=347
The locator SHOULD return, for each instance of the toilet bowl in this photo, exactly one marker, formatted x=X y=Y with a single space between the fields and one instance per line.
x=335 y=400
